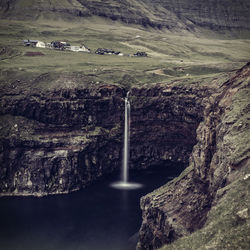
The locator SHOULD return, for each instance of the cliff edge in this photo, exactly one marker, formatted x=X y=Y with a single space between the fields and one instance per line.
x=208 y=206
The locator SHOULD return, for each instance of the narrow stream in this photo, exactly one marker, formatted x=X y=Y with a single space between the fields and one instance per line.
x=98 y=217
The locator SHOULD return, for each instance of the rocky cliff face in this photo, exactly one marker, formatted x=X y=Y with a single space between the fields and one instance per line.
x=211 y=197
x=164 y=122
x=57 y=141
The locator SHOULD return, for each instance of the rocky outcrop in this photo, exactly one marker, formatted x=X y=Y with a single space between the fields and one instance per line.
x=57 y=141
x=164 y=121
x=219 y=168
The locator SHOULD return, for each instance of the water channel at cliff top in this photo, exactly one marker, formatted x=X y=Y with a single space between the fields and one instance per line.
x=96 y=218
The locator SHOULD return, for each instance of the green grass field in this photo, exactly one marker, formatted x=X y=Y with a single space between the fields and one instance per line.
x=170 y=55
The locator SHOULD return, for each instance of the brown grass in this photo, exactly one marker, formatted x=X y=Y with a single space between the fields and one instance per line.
x=32 y=53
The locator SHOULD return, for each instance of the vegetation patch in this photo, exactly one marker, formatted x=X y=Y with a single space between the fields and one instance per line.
x=33 y=53
x=227 y=226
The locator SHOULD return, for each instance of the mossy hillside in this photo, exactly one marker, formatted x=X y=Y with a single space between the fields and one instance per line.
x=179 y=15
x=32 y=10
x=239 y=116
x=224 y=229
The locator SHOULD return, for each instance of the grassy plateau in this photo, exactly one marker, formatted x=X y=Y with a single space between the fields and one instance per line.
x=171 y=55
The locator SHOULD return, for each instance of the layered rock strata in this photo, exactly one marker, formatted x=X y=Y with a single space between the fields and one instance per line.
x=211 y=194
x=57 y=142
x=178 y=15
x=164 y=122
x=60 y=140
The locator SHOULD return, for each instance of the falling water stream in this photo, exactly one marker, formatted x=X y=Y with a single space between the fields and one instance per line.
x=124 y=183
x=126 y=140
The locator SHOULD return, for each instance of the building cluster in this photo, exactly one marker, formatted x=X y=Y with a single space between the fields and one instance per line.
x=141 y=53
x=101 y=51
x=60 y=45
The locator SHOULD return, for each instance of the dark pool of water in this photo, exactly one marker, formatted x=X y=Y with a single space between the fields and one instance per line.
x=96 y=218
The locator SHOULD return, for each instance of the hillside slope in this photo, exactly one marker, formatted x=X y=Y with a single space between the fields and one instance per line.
x=175 y=15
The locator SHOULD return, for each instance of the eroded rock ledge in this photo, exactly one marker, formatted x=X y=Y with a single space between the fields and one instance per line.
x=60 y=133
x=212 y=194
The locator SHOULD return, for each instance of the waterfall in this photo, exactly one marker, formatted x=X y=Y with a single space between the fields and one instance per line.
x=125 y=163
x=124 y=183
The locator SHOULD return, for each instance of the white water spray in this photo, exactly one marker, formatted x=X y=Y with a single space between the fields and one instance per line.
x=126 y=141
x=124 y=183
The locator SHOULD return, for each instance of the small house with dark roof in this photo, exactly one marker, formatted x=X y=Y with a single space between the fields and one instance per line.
x=30 y=42
x=143 y=54
x=60 y=45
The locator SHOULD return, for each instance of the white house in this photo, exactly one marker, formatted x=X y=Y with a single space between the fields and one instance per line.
x=79 y=49
x=40 y=44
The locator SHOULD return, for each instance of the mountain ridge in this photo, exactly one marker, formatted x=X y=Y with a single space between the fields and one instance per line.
x=214 y=15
